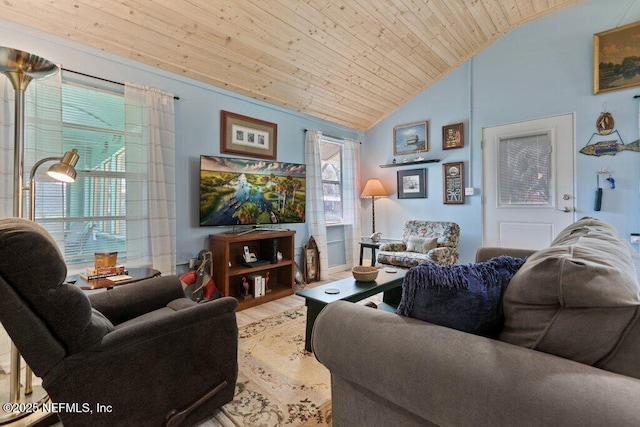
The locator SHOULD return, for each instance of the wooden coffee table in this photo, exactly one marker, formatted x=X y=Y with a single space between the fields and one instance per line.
x=349 y=289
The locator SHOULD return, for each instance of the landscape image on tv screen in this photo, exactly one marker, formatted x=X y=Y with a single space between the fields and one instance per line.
x=236 y=191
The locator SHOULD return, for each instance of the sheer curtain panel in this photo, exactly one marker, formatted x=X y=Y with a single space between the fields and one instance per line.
x=150 y=166
x=351 y=200
x=315 y=197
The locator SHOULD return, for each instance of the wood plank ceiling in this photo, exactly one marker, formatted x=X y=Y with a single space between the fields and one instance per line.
x=351 y=62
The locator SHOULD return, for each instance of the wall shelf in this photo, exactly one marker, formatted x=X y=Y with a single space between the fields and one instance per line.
x=412 y=162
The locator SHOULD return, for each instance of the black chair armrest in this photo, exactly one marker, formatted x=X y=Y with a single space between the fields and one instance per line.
x=126 y=302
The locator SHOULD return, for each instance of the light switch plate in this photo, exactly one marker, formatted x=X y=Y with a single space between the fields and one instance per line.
x=469 y=191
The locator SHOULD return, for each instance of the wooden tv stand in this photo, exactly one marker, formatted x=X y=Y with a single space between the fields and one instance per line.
x=227 y=249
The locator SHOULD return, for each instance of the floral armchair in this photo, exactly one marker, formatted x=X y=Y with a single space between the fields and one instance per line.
x=418 y=237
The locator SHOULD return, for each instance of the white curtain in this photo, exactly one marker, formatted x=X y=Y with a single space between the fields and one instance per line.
x=351 y=200
x=150 y=166
x=315 y=202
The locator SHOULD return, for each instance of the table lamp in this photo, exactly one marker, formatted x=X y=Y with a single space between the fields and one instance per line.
x=373 y=189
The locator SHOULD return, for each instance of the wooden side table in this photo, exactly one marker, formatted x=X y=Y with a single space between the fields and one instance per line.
x=368 y=243
x=136 y=273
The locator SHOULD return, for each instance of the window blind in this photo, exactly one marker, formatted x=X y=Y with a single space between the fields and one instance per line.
x=87 y=216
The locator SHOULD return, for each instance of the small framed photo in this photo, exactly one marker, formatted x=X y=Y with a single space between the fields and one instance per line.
x=452 y=136
x=453 y=183
x=247 y=136
x=412 y=184
x=410 y=138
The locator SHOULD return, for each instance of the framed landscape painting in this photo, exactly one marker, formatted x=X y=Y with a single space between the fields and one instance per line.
x=616 y=58
x=410 y=138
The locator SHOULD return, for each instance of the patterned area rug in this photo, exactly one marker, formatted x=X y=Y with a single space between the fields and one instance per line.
x=279 y=383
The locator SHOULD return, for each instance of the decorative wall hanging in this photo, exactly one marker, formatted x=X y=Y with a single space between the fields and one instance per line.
x=609 y=147
x=615 y=54
x=410 y=138
x=452 y=181
x=248 y=136
x=412 y=184
x=605 y=123
x=452 y=136
x=311 y=261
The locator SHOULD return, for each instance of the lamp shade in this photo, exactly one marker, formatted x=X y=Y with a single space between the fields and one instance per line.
x=373 y=188
x=65 y=170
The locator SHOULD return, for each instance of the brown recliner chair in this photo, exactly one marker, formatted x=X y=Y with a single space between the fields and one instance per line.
x=143 y=350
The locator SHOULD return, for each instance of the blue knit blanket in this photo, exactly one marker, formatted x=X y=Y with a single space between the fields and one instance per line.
x=464 y=297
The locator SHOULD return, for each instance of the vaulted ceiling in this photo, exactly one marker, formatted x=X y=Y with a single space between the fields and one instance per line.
x=351 y=62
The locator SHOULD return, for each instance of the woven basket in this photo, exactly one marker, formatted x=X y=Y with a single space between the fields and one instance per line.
x=363 y=273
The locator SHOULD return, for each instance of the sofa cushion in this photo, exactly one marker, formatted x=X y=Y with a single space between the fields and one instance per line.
x=463 y=297
x=577 y=298
x=421 y=244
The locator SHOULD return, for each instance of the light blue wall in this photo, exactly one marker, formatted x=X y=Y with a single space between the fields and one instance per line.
x=197 y=120
x=540 y=69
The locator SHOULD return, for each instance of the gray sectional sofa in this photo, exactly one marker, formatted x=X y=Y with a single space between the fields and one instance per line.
x=568 y=354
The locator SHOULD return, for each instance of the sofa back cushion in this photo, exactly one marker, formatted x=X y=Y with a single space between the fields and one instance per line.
x=446 y=233
x=578 y=298
x=32 y=265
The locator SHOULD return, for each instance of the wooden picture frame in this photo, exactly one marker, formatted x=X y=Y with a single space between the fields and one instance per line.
x=611 y=49
x=412 y=184
x=453 y=183
x=247 y=136
x=452 y=136
x=311 y=261
x=411 y=138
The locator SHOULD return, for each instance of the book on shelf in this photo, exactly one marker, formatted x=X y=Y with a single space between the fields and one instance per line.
x=256 y=282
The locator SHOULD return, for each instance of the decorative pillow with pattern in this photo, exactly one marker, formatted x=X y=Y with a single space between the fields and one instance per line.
x=421 y=244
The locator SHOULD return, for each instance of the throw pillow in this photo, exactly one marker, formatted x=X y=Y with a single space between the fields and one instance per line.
x=421 y=244
x=463 y=297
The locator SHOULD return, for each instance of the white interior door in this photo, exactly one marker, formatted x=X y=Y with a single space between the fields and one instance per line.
x=528 y=182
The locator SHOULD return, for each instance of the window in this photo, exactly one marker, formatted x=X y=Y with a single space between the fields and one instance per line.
x=524 y=170
x=331 y=157
x=88 y=216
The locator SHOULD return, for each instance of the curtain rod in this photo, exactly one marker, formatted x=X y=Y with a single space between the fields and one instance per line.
x=334 y=137
x=100 y=78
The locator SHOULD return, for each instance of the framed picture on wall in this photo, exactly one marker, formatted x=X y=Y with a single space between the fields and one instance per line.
x=615 y=58
x=410 y=138
x=453 y=183
x=452 y=136
x=247 y=136
x=412 y=184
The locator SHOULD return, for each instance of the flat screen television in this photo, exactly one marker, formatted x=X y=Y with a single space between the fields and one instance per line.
x=236 y=191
